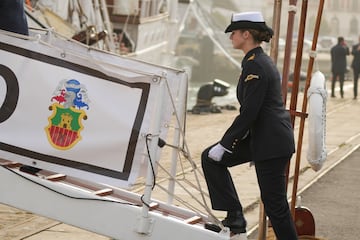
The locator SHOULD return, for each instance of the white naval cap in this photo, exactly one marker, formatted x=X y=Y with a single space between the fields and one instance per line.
x=248 y=16
x=248 y=20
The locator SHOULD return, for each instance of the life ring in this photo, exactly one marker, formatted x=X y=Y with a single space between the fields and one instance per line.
x=317 y=96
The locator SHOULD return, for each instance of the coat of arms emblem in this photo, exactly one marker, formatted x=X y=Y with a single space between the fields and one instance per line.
x=69 y=102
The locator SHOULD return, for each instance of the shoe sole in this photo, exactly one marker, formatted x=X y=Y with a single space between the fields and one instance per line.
x=237 y=230
x=212 y=227
x=216 y=228
x=241 y=236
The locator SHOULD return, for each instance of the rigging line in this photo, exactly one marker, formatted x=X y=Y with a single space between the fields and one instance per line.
x=187 y=170
x=182 y=186
x=67 y=195
x=148 y=138
x=203 y=204
x=182 y=176
x=210 y=34
x=182 y=167
x=187 y=150
x=186 y=204
x=125 y=25
x=190 y=205
x=83 y=17
x=194 y=186
x=186 y=146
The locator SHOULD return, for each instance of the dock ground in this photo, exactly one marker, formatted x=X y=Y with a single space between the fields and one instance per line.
x=334 y=200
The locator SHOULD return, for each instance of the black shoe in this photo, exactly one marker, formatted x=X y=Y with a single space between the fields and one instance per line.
x=333 y=96
x=213 y=227
x=235 y=221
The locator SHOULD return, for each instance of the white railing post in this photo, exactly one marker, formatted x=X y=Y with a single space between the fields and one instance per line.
x=145 y=222
x=181 y=113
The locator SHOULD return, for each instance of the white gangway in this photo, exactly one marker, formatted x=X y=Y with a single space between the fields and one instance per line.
x=87 y=124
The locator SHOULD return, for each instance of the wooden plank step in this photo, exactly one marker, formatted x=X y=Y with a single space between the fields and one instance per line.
x=101 y=190
x=193 y=220
x=154 y=205
x=56 y=177
x=10 y=164
x=104 y=192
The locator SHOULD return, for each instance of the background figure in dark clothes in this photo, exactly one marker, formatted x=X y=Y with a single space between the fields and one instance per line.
x=338 y=65
x=356 y=66
x=12 y=16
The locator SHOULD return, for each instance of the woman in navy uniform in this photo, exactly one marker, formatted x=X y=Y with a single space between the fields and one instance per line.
x=261 y=133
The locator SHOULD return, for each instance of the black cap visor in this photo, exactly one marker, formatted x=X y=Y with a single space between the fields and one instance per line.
x=260 y=26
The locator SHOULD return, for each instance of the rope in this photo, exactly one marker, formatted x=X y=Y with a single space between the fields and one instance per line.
x=292 y=8
x=191 y=161
x=313 y=53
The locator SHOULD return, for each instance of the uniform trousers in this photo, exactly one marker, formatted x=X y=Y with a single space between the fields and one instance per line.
x=341 y=77
x=272 y=183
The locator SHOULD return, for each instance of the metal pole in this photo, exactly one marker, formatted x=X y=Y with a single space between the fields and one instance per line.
x=274 y=55
x=287 y=60
x=180 y=124
x=304 y=105
x=298 y=60
x=274 y=50
x=108 y=26
x=288 y=47
x=145 y=222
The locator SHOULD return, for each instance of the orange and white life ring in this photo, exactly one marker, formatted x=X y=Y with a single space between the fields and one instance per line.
x=317 y=96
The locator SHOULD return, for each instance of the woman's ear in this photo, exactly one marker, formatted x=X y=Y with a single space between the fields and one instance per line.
x=246 y=34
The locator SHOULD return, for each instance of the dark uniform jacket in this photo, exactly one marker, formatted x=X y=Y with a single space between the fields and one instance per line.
x=356 y=60
x=262 y=111
x=338 y=58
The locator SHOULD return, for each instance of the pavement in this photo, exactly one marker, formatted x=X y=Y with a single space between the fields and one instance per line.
x=334 y=200
x=331 y=193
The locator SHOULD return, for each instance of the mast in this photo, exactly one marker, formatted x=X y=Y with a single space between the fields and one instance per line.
x=288 y=46
x=108 y=26
x=274 y=49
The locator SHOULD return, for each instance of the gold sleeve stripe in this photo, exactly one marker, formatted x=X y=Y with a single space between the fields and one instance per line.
x=251 y=77
x=252 y=57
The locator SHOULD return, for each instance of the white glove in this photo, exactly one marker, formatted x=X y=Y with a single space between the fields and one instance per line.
x=216 y=152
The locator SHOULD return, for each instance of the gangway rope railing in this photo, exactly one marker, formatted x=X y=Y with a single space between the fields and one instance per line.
x=189 y=158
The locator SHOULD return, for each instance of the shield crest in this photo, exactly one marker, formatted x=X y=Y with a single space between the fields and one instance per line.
x=65 y=122
x=64 y=126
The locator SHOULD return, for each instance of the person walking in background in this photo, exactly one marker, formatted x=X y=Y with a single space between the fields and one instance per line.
x=12 y=16
x=338 y=65
x=356 y=66
x=263 y=125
